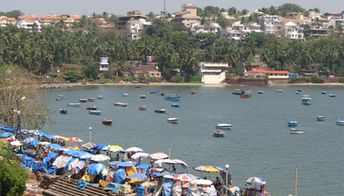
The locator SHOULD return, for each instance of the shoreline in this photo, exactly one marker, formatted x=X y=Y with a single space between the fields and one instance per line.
x=157 y=84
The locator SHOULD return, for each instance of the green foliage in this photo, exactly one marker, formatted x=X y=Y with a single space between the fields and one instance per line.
x=14 y=13
x=71 y=75
x=316 y=79
x=12 y=176
x=341 y=80
x=177 y=79
x=194 y=79
x=91 y=71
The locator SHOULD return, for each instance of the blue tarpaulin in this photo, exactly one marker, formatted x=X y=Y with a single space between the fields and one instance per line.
x=167 y=187
x=34 y=143
x=121 y=164
x=56 y=147
x=6 y=134
x=98 y=147
x=50 y=157
x=119 y=176
x=7 y=128
x=27 y=162
x=95 y=168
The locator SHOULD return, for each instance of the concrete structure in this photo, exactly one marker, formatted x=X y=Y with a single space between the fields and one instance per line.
x=187 y=16
x=131 y=16
x=30 y=25
x=104 y=64
x=197 y=28
x=137 y=69
x=4 y=21
x=136 y=27
x=270 y=24
x=316 y=29
x=213 y=73
x=293 y=31
x=261 y=72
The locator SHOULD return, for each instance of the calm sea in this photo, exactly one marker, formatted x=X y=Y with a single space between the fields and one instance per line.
x=258 y=144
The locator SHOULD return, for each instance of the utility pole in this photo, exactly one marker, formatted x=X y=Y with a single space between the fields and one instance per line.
x=165 y=7
x=296 y=181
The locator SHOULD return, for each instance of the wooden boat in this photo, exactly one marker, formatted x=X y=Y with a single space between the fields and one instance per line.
x=172 y=98
x=107 y=122
x=143 y=96
x=323 y=92
x=93 y=107
x=279 y=90
x=95 y=112
x=100 y=97
x=153 y=91
x=193 y=92
x=143 y=108
x=59 y=97
x=321 y=118
x=332 y=95
x=260 y=92
x=246 y=94
x=223 y=126
x=162 y=111
x=297 y=131
x=63 y=111
x=162 y=94
x=297 y=92
x=237 y=91
x=218 y=133
x=90 y=99
x=175 y=105
x=125 y=94
x=292 y=123
x=73 y=104
x=306 y=100
x=120 y=104
x=172 y=120
x=83 y=100
x=340 y=122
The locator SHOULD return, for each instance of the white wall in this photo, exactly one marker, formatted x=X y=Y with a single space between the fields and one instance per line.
x=213 y=78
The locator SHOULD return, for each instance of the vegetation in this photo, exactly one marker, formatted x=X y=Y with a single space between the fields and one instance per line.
x=12 y=176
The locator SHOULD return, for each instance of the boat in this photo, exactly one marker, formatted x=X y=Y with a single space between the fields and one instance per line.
x=100 y=97
x=73 y=104
x=292 y=123
x=320 y=118
x=323 y=92
x=237 y=91
x=223 y=126
x=153 y=91
x=193 y=92
x=162 y=94
x=297 y=92
x=260 y=92
x=95 y=112
x=143 y=96
x=107 y=122
x=120 y=104
x=175 y=105
x=59 y=97
x=83 y=100
x=124 y=94
x=297 y=131
x=143 y=108
x=172 y=120
x=306 y=100
x=172 y=98
x=63 y=111
x=218 y=133
x=340 y=122
x=162 y=111
x=332 y=95
x=279 y=90
x=93 y=107
x=90 y=99
x=246 y=94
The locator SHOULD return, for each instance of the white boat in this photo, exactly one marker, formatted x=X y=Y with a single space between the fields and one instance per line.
x=95 y=112
x=279 y=90
x=340 y=122
x=124 y=94
x=297 y=131
x=306 y=100
x=332 y=95
x=143 y=96
x=223 y=126
x=321 y=118
x=73 y=104
x=172 y=120
x=120 y=104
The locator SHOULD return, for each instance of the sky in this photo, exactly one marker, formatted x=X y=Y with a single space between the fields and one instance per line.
x=120 y=7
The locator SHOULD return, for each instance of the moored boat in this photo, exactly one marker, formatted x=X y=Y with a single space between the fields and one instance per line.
x=332 y=95
x=172 y=120
x=218 y=133
x=143 y=96
x=292 y=123
x=100 y=97
x=143 y=108
x=107 y=122
x=297 y=131
x=124 y=94
x=279 y=90
x=175 y=105
x=59 y=97
x=321 y=118
x=340 y=122
x=306 y=100
x=223 y=126
x=237 y=91
x=260 y=92
x=83 y=100
x=323 y=92
x=172 y=98
x=162 y=111
x=120 y=104
x=91 y=99
x=95 y=112
x=153 y=91
x=93 y=107
x=246 y=94
x=63 y=111
x=193 y=92
x=73 y=104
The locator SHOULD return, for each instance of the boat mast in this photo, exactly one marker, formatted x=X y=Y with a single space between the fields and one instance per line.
x=296 y=182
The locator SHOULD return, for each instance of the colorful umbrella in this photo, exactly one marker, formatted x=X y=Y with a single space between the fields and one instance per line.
x=184 y=177
x=134 y=149
x=256 y=181
x=96 y=168
x=140 y=155
x=61 y=161
x=58 y=137
x=16 y=143
x=202 y=182
x=207 y=168
x=158 y=155
x=88 y=146
x=138 y=177
x=74 y=139
x=121 y=164
x=100 y=158
x=113 y=148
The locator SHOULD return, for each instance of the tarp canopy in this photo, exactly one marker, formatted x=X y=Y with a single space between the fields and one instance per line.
x=98 y=146
x=121 y=164
x=8 y=128
x=96 y=168
x=119 y=176
x=6 y=134
x=55 y=147
x=137 y=177
x=50 y=157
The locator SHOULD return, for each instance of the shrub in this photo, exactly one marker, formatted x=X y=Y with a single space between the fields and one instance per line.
x=194 y=79
x=177 y=79
x=316 y=79
x=71 y=75
x=341 y=80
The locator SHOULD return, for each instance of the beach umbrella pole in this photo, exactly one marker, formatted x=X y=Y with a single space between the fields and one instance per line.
x=90 y=132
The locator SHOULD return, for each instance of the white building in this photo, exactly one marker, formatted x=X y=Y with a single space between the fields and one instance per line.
x=213 y=73
x=135 y=28
x=293 y=31
x=270 y=24
x=30 y=25
x=104 y=64
x=197 y=28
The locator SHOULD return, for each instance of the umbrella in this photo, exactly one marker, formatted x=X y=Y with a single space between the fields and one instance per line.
x=134 y=149
x=170 y=161
x=75 y=139
x=257 y=181
x=6 y=134
x=72 y=152
x=121 y=164
x=61 y=161
x=181 y=162
x=58 y=137
x=202 y=182
x=100 y=158
x=113 y=148
x=76 y=164
x=137 y=178
x=16 y=143
x=55 y=146
x=143 y=166
x=96 y=168
x=207 y=169
x=140 y=155
x=184 y=177
x=85 y=155
x=158 y=155
x=88 y=146
x=98 y=147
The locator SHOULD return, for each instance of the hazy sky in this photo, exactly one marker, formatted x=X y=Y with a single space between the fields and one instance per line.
x=43 y=7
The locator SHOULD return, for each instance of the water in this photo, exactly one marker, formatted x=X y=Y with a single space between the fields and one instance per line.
x=258 y=144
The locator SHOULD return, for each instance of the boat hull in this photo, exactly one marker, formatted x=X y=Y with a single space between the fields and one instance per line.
x=218 y=134
x=107 y=122
x=161 y=111
x=143 y=108
x=120 y=104
x=63 y=111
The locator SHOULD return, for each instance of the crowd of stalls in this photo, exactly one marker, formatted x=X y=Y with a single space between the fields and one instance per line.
x=127 y=171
